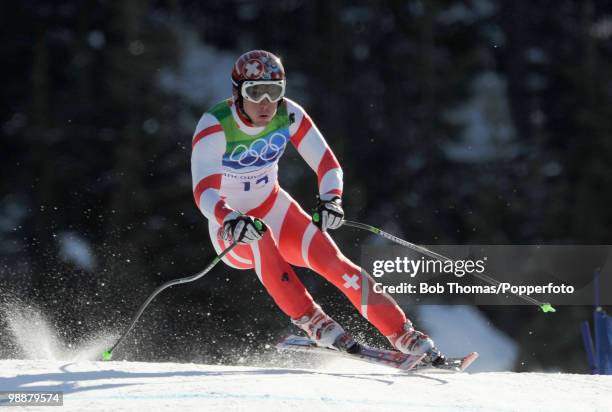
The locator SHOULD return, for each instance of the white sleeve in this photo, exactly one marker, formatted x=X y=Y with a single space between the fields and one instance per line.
x=208 y=147
x=313 y=148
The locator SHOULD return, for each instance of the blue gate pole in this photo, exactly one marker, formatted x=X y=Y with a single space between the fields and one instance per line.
x=588 y=346
x=602 y=342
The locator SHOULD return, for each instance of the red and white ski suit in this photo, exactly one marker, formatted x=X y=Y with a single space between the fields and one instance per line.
x=292 y=239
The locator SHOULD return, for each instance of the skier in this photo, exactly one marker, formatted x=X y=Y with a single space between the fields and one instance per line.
x=236 y=148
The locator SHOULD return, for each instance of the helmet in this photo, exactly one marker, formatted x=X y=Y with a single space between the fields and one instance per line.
x=253 y=67
x=257 y=65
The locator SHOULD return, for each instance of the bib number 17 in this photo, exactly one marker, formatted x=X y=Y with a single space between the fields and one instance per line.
x=263 y=181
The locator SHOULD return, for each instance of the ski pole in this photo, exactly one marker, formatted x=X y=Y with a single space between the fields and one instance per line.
x=546 y=307
x=107 y=355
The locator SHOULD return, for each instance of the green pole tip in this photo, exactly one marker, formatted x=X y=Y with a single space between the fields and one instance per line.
x=547 y=307
x=107 y=355
x=315 y=217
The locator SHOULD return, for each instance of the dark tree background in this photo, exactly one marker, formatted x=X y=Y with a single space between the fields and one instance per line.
x=456 y=122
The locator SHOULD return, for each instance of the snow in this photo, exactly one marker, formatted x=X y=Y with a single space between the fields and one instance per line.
x=282 y=380
x=343 y=385
x=35 y=337
x=279 y=380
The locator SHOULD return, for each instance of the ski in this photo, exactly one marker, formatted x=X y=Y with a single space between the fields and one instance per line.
x=365 y=353
x=391 y=358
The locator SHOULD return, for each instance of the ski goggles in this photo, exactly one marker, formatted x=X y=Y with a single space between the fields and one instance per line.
x=256 y=91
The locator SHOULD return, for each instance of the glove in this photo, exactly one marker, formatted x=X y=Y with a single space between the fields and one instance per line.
x=242 y=228
x=328 y=214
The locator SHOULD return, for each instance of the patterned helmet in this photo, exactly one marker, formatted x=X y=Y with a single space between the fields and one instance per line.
x=257 y=65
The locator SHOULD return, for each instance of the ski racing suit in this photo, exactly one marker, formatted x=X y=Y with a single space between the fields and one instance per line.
x=234 y=167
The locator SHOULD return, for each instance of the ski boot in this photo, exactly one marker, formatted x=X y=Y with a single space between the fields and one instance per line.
x=411 y=341
x=414 y=342
x=322 y=329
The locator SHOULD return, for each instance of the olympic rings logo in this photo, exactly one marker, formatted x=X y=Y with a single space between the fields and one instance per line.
x=266 y=150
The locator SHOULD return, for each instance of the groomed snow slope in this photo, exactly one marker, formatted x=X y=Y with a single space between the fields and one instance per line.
x=341 y=386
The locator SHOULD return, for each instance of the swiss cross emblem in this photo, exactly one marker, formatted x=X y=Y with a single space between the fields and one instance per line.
x=351 y=281
x=253 y=69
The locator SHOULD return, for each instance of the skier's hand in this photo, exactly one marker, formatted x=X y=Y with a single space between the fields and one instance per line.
x=328 y=214
x=242 y=228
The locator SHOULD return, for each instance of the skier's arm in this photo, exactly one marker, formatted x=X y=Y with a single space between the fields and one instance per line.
x=311 y=145
x=208 y=146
